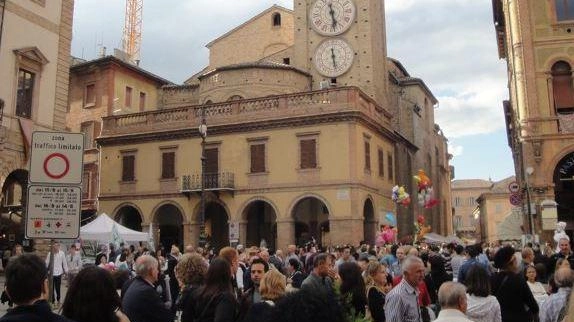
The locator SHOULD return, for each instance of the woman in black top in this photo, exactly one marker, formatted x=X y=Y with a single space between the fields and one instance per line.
x=517 y=304
x=353 y=286
x=375 y=280
x=436 y=277
x=214 y=301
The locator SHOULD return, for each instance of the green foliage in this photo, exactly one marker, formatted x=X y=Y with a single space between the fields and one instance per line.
x=348 y=308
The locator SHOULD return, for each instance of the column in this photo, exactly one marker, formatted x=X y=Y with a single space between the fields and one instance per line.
x=346 y=230
x=285 y=233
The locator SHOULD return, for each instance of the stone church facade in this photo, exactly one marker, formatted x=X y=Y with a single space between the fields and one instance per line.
x=308 y=129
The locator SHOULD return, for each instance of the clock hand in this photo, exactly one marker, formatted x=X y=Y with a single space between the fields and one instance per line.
x=333 y=57
x=332 y=13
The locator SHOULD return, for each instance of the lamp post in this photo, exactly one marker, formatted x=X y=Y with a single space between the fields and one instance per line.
x=529 y=172
x=203 y=132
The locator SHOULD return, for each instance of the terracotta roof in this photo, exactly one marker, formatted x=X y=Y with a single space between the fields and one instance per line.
x=470 y=183
x=408 y=80
x=112 y=59
x=258 y=64
x=502 y=185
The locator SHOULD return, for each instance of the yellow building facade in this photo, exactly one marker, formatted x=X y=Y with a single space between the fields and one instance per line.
x=303 y=138
x=535 y=37
x=34 y=65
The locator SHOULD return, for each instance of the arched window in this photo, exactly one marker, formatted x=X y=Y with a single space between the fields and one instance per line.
x=276 y=19
x=562 y=87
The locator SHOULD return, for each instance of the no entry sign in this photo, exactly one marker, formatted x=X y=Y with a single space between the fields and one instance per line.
x=57 y=158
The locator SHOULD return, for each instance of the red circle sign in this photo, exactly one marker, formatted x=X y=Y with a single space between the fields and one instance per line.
x=62 y=173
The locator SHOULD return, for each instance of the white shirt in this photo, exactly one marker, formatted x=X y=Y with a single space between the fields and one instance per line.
x=483 y=309
x=451 y=315
x=60 y=263
x=539 y=292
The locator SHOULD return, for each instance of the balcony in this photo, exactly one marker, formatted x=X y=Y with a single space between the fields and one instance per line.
x=222 y=181
x=342 y=101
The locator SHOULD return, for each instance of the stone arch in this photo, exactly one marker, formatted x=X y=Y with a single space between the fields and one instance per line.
x=553 y=59
x=260 y=215
x=12 y=205
x=563 y=179
x=168 y=217
x=130 y=215
x=310 y=213
x=184 y=218
x=217 y=218
x=241 y=214
x=369 y=221
x=274 y=48
x=307 y=195
x=549 y=175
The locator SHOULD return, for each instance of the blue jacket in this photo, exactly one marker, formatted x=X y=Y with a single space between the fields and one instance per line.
x=141 y=303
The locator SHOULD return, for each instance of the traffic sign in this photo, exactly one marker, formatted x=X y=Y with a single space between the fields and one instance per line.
x=53 y=212
x=515 y=199
x=514 y=187
x=57 y=158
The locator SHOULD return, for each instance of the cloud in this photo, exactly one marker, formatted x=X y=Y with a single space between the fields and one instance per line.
x=454 y=51
x=455 y=150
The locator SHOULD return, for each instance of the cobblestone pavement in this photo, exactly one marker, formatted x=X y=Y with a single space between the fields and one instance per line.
x=4 y=307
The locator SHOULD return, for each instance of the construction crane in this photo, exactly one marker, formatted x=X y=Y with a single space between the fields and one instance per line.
x=133 y=30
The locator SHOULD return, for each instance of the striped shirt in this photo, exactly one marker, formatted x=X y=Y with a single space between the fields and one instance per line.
x=550 y=309
x=401 y=304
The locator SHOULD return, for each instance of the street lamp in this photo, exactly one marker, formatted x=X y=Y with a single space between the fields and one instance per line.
x=529 y=172
x=203 y=132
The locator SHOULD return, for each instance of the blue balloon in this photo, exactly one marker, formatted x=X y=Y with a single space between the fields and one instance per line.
x=391 y=218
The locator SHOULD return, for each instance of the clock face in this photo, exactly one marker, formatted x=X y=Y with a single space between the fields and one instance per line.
x=332 y=17
x=333 y=57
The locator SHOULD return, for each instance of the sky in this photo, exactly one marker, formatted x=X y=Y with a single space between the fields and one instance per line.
x=449 y=44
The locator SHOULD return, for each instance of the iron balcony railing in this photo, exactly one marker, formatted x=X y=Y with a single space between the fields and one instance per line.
x=213 y=181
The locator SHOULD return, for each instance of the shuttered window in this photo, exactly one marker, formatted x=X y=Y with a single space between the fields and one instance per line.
x=90 y=95
x=168 y=165
x=562 y=85
x=308 y=153
x=367 y=156
x=381 y=163
x=128 y=167
x=564 y=10
x=25 y=93
x=257 y=158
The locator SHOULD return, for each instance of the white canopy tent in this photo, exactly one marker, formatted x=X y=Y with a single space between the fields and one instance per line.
x=101 y=229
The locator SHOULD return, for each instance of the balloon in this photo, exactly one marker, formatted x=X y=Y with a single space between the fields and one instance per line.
x=391 y=218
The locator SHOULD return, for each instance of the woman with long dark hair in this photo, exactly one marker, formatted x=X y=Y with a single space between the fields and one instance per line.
x=215 y=300
x=92 y=297
x=353 y=287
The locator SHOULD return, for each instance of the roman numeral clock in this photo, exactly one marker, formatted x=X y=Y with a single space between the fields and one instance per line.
x=330 y=18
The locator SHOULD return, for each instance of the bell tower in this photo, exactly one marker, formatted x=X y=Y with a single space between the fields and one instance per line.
x=343 y=43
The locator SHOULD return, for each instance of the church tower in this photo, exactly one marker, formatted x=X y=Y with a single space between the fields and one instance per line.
x=343 y=43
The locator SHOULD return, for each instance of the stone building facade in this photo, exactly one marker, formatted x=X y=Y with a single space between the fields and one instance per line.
x=101 y=87
x=304 y=137
x=34 y=94
x=536 y=39
x=498 y=219
x=465 y=192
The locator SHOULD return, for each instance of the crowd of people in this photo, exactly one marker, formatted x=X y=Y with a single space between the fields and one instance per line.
x=393 y=283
